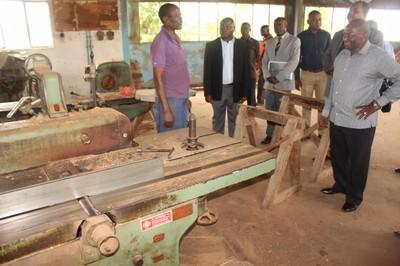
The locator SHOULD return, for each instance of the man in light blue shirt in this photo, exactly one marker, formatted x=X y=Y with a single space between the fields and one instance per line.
x=352 y=106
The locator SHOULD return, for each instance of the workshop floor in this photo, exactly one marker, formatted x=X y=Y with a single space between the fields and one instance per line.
x=308 y=228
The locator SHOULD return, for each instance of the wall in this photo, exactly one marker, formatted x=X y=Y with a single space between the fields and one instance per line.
x=194 y=53
x=69 y=57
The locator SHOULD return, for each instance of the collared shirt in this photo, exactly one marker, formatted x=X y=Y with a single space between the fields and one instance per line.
x=356 y=82
x=313 y=48
x=289 y=52
x=167 y=53
x=227 y=61
x=252 y=49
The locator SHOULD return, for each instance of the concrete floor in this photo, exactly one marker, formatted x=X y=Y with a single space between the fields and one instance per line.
x=308 y=228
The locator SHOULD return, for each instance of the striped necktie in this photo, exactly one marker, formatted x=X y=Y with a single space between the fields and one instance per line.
x=278 y=44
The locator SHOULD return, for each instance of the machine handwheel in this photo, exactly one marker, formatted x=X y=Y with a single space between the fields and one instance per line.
x=32 y=59
x=209 y=217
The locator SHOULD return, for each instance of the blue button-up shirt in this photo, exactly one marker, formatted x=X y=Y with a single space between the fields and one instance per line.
x=356 y=81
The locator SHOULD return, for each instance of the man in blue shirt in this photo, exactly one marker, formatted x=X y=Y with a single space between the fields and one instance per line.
x=312 y=78
x=352 y=107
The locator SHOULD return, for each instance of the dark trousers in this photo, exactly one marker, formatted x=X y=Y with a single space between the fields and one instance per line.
x=252 y=93
x=273 y=103
x=350 y=153
x=260 y=88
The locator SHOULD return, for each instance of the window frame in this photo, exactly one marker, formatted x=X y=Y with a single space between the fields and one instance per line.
x=28 y=33
x=199 y=40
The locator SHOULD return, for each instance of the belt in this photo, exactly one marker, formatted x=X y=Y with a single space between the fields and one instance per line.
x=314 y=70
x=230 y=84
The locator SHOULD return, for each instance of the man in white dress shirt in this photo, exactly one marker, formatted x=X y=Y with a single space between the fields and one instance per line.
x=226 y=76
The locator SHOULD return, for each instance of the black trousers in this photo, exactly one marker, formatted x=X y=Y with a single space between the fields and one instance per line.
x=251 y=100
x=350 y=153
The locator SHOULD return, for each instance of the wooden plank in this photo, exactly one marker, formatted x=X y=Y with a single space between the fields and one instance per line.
x=284 y=109
x=310 y=130
x=277 y=177
x=287 y=193
x=268 y=115
x=293 y=111
x=175 y=139
x=308 y=102
x=281 y=164
x=251 y=135
x=294 y=163
x=320 y=156
x=326 y=173
x=152 y=191
x=218 y=156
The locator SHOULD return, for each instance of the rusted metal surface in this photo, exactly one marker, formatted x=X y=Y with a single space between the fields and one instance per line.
x=34 y=142
x=185 y=170
x=39 y=230
x=76 y=15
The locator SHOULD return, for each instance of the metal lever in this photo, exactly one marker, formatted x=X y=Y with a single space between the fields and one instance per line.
x=18 y=105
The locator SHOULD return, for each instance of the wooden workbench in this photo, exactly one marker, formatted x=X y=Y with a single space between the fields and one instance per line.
x=221 y=156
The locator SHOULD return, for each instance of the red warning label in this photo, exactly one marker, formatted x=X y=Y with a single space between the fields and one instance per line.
x=156 y=220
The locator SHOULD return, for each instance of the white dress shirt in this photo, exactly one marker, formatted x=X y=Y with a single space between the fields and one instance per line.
x=227 y=61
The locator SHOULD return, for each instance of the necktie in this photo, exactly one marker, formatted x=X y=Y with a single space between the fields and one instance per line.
x=278 y=44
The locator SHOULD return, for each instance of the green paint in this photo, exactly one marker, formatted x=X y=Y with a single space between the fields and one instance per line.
x=225 y=181
x=135 y=242
x=132 y=110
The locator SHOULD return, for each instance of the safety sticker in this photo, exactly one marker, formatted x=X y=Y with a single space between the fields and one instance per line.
x=156 y=220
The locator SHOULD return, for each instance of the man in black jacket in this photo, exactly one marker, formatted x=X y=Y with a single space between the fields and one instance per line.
x=226 y=76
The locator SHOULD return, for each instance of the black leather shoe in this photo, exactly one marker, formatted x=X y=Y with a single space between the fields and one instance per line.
x=329 y=191
x=267 y=140
x=397 y=170
x=349 y=207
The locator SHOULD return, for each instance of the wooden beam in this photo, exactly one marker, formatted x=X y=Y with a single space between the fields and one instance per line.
x=320 y=156
x=283 y=109
x=287 y=193
x=294 y=164
x=281 y=163
x=302 y=100
x=275 y=117
x=310 y=130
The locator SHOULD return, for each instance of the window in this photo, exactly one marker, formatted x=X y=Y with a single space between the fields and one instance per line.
x=25 y=24
x=335 y=19
x=332 y=19
x=385 y=19
x=201 y=19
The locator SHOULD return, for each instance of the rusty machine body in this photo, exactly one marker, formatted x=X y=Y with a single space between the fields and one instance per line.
x=73 y=191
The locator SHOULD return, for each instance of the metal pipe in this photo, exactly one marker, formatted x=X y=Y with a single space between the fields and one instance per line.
x=192 y=126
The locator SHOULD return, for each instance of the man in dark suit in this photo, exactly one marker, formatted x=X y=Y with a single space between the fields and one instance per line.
x=253 y=48
x=226 y=76
x=358 y=10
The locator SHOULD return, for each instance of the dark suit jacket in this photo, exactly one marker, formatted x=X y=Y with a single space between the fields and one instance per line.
x=212 y=76
x=375 y=37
